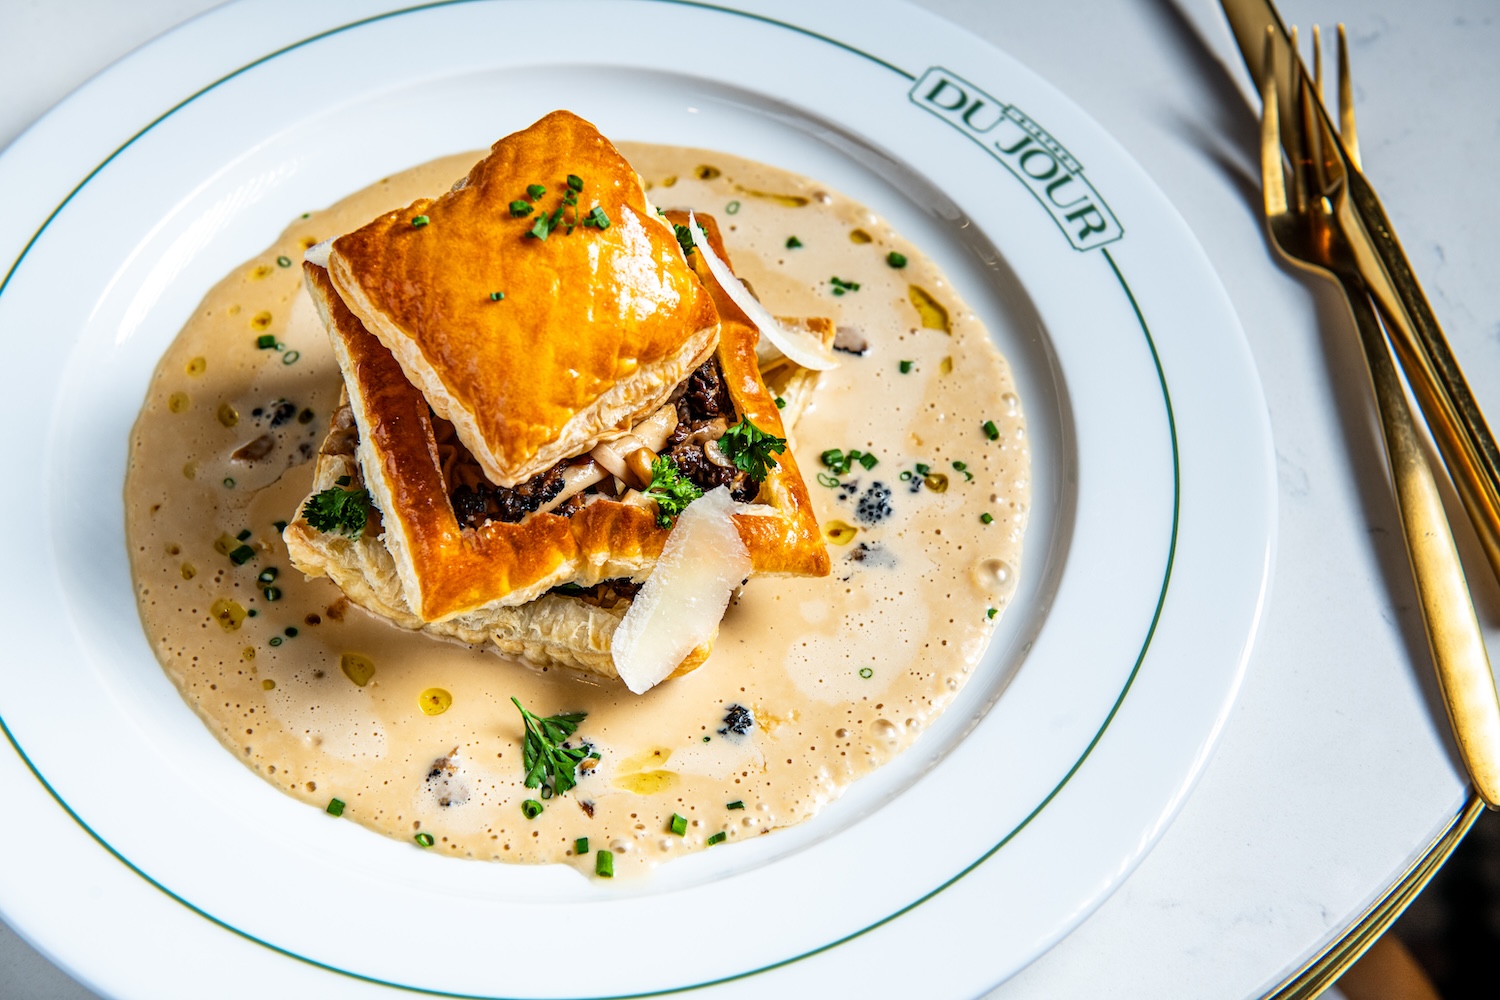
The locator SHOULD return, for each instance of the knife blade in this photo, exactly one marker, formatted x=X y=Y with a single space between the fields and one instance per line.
x=1458 y=426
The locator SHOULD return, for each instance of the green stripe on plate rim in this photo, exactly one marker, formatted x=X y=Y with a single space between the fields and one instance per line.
x=1114 y=709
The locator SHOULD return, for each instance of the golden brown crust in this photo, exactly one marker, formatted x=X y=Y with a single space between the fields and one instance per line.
x=596 y=328
x=446 y=571
x=553 y=630
x=790 y=541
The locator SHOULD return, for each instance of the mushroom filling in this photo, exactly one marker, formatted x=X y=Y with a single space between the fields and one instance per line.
x=703 y=411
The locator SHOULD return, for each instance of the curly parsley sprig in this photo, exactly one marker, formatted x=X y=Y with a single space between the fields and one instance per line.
x=751 y=449
x=338 y=510
x=671 y=490
x=545 y=755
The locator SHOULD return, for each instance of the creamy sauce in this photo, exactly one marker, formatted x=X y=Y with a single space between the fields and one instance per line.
x=414 y=735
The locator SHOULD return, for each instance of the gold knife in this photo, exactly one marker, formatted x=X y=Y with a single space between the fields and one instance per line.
x=1458 y=427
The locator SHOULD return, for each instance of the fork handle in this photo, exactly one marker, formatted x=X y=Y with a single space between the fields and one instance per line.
x=1458 y=426
x=1453 y=634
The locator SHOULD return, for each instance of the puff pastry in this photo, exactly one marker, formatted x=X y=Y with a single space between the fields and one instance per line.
x=597 y=326
x=540 y=565
x=553 y=630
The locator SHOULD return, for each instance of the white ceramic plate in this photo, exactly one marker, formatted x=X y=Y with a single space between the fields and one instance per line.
x=146 y=860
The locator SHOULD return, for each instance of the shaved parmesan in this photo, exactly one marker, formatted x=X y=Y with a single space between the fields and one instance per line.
x=801 y=346
x=318 y=253
x=680 y=606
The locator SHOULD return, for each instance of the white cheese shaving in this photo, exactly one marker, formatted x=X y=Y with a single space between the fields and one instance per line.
x=318 y=252
x=801 y=346
x=683 y=600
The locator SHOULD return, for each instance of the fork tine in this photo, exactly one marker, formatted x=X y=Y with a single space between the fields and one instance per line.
x=1318 y=59
x=1273 y=180
x=1296 y=137
x=1347 y=132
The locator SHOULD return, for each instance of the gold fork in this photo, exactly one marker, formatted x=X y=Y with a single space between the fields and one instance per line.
x=1309 y=232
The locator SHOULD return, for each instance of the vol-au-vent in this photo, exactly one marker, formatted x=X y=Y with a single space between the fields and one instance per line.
x=878 y=496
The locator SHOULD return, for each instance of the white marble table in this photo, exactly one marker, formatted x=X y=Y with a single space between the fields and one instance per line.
x=1335 y=769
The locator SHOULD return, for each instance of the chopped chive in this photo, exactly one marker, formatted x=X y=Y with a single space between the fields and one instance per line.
x=546 y=792
x=707 y=738
x=868 y=460
x=291 y=633
x=991 y=431
x=597 y=218
x=895 y=259
x=335 y=807
x=541 y=228
x=736 y=804
x=276 y=640
x=866 y=673
x=679 y=824
x=252 y=613
x=793 y=243
x=717 y=838
x=986 y=517
x=732 y=207
x=923 y=470
x=272 y=593
x=342 y=481
x=906 y=367
x=604 y=864
x=496 y=296
x=824 y=479
x=266 y=341
x=992 y=612
x=241 y=555
x=290 y=357
x=284 y=261
x=575 y=182
x=280 y=526
x=780 y=403
x=519 y=208
x=581 y=846
x=838 y=290
x=423 y=839
x=964 y=468
x=531 y=808
x=905 y=475
x=420 y=221
x=243 y=534
x=832 y=458
x=535 y=191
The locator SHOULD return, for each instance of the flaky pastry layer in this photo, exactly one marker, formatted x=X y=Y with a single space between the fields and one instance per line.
x=553 y=630
x=595 y=328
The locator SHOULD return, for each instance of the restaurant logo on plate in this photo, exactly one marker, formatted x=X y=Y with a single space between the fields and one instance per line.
x=1027 y=150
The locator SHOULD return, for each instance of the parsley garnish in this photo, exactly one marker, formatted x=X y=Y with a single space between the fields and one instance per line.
x=546 y=756
x=334 y=509
x=751 y=449
x=684 y=238
x=671 y=490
